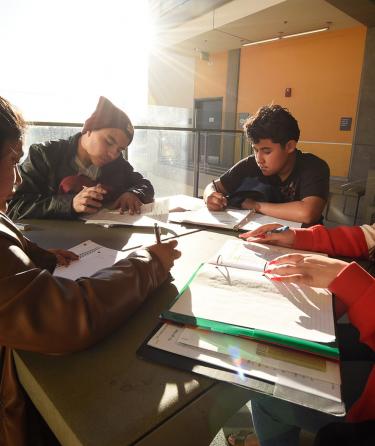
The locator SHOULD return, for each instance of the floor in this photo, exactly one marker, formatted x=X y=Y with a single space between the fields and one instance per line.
x=335 y=217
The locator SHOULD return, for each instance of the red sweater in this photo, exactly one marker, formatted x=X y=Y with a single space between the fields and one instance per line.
x=355 y=288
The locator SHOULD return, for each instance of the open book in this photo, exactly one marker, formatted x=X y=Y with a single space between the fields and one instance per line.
x=228 y=219
x=157 y=211
x=92 y=258
x=230 y=294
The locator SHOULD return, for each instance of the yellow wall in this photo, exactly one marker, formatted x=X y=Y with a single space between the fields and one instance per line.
x=324 y=73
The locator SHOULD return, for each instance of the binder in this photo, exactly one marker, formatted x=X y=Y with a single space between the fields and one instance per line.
x=209 y=301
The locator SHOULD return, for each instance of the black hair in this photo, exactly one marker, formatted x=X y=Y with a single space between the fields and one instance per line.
x=272 y=122
x=12 y=124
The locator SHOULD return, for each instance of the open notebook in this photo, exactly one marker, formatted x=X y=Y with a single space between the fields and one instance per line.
x=228 y=219
x=157 y=211
x=230 y=294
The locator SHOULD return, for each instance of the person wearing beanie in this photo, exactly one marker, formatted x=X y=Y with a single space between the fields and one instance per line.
x=69 y=177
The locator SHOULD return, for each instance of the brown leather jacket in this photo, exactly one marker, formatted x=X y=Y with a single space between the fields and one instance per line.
x=51 y=315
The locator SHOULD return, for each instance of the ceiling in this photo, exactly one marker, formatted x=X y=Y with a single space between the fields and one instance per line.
x=227 y=25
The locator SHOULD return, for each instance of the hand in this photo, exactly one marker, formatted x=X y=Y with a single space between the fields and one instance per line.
x=309 y=269
x=89 y=199
x=263 y=234
x=63 y=257
x=166 y=253
x=128 y=202
x=216 y=201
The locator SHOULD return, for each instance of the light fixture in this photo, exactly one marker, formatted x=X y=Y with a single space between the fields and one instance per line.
x=288 y=36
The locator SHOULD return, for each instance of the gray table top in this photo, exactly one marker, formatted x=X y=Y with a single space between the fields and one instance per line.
x=105 y=395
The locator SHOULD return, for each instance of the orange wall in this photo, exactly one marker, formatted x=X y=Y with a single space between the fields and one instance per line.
x=211 y=77
x=324 y=73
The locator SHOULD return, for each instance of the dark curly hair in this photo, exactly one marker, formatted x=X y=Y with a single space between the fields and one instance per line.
x=272 y=122
x=12 y=124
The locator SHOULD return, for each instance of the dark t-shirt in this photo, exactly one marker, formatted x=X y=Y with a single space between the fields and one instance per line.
x=309 y=177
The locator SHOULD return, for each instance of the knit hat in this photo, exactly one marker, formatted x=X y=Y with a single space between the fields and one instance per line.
x=108 y=115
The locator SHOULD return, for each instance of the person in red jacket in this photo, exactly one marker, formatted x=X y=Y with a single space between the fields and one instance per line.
x=277 y=422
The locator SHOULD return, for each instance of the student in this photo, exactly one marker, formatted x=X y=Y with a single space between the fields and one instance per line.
x=66 y=178
x=43 y=313
x=278 y=422
x=278 y=180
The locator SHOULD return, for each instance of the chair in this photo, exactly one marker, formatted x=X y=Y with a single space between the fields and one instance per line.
x=355 y=189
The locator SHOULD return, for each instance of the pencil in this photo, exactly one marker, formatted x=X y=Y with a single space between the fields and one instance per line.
x=157 y=233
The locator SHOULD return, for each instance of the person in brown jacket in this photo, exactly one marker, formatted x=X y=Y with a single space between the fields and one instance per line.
x=43 y=313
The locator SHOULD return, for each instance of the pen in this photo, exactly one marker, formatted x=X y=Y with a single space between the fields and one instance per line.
x=214 y=185
x=278 y=230
x=244 y=220
x=157 y=233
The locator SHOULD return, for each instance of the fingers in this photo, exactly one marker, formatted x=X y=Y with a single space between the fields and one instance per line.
x=287 y=259
x=261 y=231
x=216 y=202
x=70 y=255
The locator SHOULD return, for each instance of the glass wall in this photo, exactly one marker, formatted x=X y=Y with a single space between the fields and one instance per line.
x=176 y=161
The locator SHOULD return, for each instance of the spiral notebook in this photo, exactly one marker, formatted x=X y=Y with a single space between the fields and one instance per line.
x=92 y=258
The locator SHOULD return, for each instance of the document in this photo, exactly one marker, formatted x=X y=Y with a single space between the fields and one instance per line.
x=157 y=211
x=245 y=357
x=92 y=258
x=228 y=219
x=232 y=295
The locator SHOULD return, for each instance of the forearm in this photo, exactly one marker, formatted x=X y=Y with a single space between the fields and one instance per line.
x=52 y=315
x=296 y=211
x=40 y=206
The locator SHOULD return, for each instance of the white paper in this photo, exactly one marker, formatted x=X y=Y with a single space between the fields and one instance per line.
x=286 y=360
x=227 y=219
x=249 y=255
x=92 y=258
x=249 y=299
x=151 y=213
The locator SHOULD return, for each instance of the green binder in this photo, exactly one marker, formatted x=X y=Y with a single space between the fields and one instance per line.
x=329 y=350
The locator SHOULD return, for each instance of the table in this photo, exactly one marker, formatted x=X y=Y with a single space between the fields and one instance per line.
x=107 y=396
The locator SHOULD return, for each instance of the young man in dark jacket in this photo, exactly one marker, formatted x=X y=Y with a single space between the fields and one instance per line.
x=65 y=178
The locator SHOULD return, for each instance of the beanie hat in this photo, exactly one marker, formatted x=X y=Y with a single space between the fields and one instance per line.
x=108 y=115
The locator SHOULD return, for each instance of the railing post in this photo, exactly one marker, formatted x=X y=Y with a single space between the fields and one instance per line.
x=197 y=156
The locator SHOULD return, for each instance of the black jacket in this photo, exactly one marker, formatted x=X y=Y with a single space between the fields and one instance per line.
x=47 y=164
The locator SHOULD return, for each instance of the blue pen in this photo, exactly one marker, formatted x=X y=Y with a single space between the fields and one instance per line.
x=278 y=230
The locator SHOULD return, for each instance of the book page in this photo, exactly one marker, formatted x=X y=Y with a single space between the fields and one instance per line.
x=92 y=258
x=249 y=299
x=150 y=213
x=249 y=255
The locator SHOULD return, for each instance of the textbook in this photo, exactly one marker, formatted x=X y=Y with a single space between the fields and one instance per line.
x=233 y=219
x=92 y=258
x=231 y=294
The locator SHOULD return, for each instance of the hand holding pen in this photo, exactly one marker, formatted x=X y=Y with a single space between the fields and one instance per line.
x=166 y=252
x=216 y=200
x=272 y=233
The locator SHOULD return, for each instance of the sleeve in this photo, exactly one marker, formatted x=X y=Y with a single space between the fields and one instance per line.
x=121 y=177
x=140 y=186
x=43 y=313
x=359 y=299
x=37 y=197
x=348 y=241
x=232 y=178
x=315 y=179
